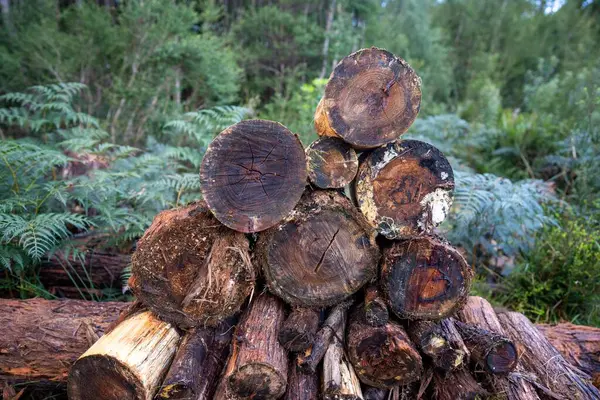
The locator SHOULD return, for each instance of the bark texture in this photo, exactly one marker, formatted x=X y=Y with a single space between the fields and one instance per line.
x=253 y=174
x=458 y=385
x=376 y=311
x=440 y=342
x=332 y=163
x=299 y=329
x=301 y=386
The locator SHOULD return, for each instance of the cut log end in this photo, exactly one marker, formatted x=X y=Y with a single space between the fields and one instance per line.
x=424 y=279
x=405 y=188
x=503 y=358
x=332 y=163
x=372 y=97
x=376 y=311
x=298 y=331
x=253 y=174
x=258 y=381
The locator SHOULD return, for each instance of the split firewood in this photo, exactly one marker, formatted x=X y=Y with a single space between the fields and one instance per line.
x=383 y=356
x=541 y=358
x=376 y=311
x=308 y=360
x=190 y=269
x=440 y=341
x=332 y=163
x=258 y=365
x=578 y=344
x=405 y=188
x=301 y=386
x=127 y=363
x=457 y=385
x=339 y=378
x=41 y=339
x=299 y=329
x=424 y=278
x=253 y=174
x=324 y=252
x=371 y=98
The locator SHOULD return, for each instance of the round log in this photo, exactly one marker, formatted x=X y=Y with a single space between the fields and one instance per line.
x=322 y=253
x=332 y=163
x=405 y=188
x=299 y=329
x=435 y=341
x=424 y=278
x=376 y=311
x=127 y=363
x=190 y=269
x=372 y=97
x=253 y=174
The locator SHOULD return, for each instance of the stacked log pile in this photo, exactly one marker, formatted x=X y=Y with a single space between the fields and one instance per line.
x=319 y=274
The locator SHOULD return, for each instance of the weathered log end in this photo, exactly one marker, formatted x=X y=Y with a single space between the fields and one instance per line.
x=299 y=329
x=435 y=341
x=376 y=311
x=332 y=163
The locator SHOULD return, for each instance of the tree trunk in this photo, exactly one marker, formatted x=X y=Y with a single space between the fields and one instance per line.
x=578 y=344
x=383 y=356
x=376 y=311
x=127 y=363
x=339 y=379
x=540 y=357
x=495 y=353
x=6 y=18
x=191 y=270
x=424 y=278
x=310 y=359
x=324 y=252
x=41 y=339
x=332 y=163
x=405 y=188
x=372 y=97
x=301 y=386
x=253 y=174
x=258 y=364
x=299 y=329
x=458 y=385
x=441 y=342
x=328 y=24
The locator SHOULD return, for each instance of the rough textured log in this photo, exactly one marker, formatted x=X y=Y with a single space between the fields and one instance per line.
x=41 y=339
x=323 y=252
x=311 y=357
x=405 y=188
x=191 y=270
x=299 y=329
x=440 y=342
x=373 y=393
x=496 y=353
x=253 y=174
x=257 y=367
x=372 y=97
x=424 y=278
x=127 y=363
x=541 y=358
x=332 y=163
x=301 y=386
x=376 y=311
x=339 y=378
x=458 y=385
x=579 y=345
x=383 y=356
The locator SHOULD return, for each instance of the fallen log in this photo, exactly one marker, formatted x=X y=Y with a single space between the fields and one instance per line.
x=405 y=188
x=376 y=311
x=253 y=174
x=129 y=362
x=424 y=278
x=332 y=163
x=457 y=385
x=371 y=98
x=578 y=344
x=191 y=270
x=301 y=386
x=324 y=252
x=299 y=329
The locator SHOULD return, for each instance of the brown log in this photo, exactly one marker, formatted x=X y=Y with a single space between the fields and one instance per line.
x=311 y=357
x=405 y=188
x=217 y=357
x=371 y=98
x=41 y=339
x=383 y=356
x=495 y=353
x=541 y=358
x=322 y=253
x=424 y=278
x=332 y=163
x=301 y=386
x=578 y=344
x=458 y=385
x=253 y=174
x=299 y=329
x=127 y=363
x=258 y=365
x=376 y=311
x=440 y=341
x=191 y=270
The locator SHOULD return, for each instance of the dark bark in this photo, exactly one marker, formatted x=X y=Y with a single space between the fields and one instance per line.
x=298 y=331
x=376 y=311
x=332 y=163
x=458 y=385
x=373 y=393
x=301 y=386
